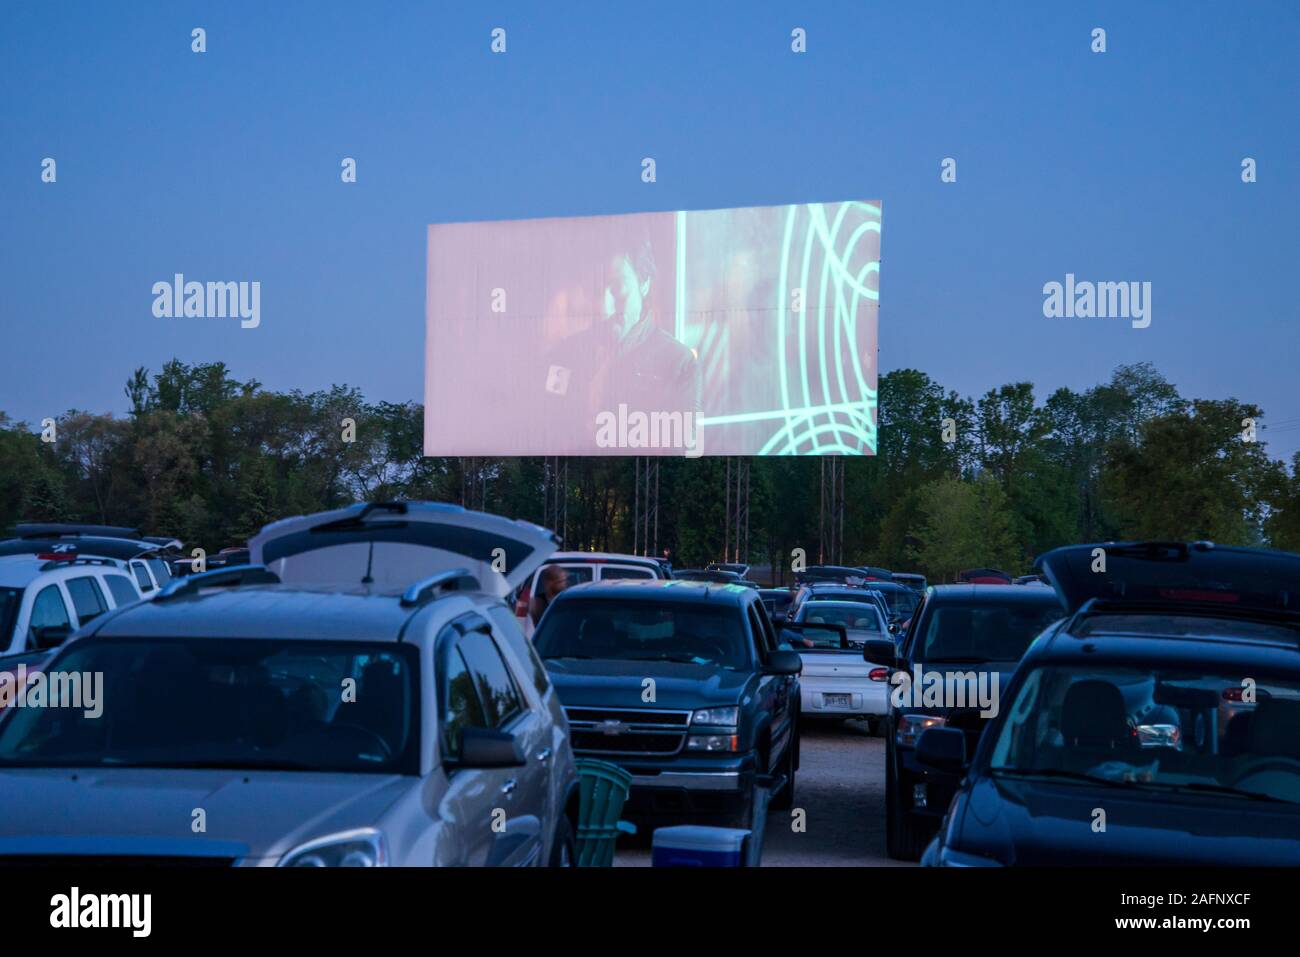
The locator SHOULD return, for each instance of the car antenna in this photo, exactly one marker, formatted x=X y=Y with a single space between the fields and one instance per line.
x=370 y=564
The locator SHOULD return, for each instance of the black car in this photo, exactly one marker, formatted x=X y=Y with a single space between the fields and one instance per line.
x=715 y=576
x=912 y=580
x=776 y=601
x=1158 y=725
x=684 y=686
x=963 y=643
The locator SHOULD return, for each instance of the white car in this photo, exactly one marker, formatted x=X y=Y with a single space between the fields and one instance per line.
x=836 y=682
x=141 y=556
x=361 y=696
x=45 y=597
x=586 y=567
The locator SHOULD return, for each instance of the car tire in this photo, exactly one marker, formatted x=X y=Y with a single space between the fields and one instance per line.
x=564 y=848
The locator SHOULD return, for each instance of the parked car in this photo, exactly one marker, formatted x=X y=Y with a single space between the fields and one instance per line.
x=836 y=681
x=45 y=597
x=740 y=568
x=874 y=573
x=144 y=559
x=962 y=634
x=586 y=567
x=900 y=600
x=912 y=580
x=360 y=696
x=841 y=574
x=685 y=686
x=983 y=576
x=834 y=591
x=776 y=601
x=1120 y=708
x=714 y=575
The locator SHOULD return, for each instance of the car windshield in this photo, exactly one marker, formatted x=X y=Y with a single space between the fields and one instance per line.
x=239 y=703
x=1160 y=729
x=10 y=600
x=865 y=596
x=693 y=632
x=983 y=631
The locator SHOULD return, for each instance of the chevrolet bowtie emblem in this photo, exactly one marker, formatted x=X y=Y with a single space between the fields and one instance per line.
x=611 y=727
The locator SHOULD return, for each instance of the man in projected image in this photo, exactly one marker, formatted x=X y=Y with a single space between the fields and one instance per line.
x=623 y=358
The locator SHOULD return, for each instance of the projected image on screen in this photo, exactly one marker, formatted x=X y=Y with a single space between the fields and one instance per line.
x=718 y=332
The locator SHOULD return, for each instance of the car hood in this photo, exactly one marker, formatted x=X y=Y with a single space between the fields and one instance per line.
x=1051 y=823
x=602 y=683
x=247 y=814
x=399 y=543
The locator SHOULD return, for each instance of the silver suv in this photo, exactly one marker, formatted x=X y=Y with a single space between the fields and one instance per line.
x=316 y=708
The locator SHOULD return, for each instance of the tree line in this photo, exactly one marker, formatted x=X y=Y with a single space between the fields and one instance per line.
x=958 y=482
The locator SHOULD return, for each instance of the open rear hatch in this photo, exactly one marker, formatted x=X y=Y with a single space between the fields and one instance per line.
x=393 y=544
x=1202 y=573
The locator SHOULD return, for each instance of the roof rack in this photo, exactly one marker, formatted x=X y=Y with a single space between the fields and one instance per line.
x=233 y=577
x=69 y=529
x=453 y=579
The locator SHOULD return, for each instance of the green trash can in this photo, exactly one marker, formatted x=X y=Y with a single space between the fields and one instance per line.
x=602 y=789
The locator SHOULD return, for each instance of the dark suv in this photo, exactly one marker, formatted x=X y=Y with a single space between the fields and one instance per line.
x=683 y=684
x=1158 y=725
x=969 y=638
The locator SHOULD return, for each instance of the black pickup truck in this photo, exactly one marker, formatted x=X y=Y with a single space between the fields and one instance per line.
x=685 y=686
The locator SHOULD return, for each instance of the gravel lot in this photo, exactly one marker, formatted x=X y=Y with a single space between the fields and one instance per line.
x=840 y=787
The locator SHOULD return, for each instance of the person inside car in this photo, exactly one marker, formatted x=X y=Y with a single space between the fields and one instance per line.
x=550 y=582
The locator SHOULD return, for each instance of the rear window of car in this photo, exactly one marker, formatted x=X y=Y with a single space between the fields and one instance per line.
x=87 y=598
x=160 y=570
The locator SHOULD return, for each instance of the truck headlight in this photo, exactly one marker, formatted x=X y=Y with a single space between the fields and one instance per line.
x=717 y=716
x=712 y=742
x=363 y=847
x=910 y=727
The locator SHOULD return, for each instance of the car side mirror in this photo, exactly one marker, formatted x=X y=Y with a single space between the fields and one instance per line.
x=880 y=651
x=489 y=748
x=943 y=749
x=50 y=636
x=784 y=663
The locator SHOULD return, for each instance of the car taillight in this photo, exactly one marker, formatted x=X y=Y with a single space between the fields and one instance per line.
x=879 y=674
x=521 y=603
x=1239 y=694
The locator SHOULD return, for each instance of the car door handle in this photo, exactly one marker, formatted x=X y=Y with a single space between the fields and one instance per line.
x=544 y=754
x=509 y=786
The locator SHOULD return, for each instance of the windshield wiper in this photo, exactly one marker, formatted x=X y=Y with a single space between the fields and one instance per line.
x=678 y=659
x=956 y=661
x=564 y=657
x=1223 y=789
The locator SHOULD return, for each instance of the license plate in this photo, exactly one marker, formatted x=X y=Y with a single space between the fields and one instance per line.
x=835 y=700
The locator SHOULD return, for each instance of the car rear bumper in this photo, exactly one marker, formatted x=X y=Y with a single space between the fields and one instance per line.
x=866 y=697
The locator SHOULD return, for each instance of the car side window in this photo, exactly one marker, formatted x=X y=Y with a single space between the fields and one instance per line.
x=496 y=688
x=142 y=577
x=48 y=610
x=120 y=587
x=463 y=708
x=87 y=598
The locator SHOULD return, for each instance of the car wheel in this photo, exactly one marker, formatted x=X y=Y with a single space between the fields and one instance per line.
x=564 y=851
